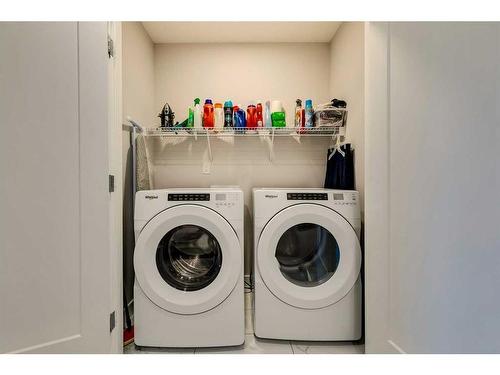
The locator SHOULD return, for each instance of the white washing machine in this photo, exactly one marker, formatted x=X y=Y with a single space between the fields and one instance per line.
x=307 y=264
x=188 y=263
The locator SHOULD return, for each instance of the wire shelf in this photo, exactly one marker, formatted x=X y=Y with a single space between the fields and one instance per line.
x=243 y=132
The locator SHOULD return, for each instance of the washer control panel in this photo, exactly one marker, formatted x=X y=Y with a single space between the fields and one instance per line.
x=189 y=197
x=225 y=200
x=307 y=196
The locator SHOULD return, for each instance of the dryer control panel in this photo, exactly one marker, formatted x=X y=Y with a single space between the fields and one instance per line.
x=307 y=196
x=345 y=199
x=341 y=198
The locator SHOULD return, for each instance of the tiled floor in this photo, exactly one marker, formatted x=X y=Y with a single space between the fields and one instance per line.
x=254 y=345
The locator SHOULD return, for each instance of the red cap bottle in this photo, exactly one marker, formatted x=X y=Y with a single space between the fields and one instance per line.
x=251 y=116
x=208 y=114
x=260 y=117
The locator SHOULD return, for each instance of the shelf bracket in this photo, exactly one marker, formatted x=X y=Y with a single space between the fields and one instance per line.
x=271 y=147
x=209 y=147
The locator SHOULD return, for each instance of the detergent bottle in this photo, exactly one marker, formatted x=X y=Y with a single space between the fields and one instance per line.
x=251 y=116
x=219 y=116
x=260 y=118
x=298 y=114
x=228 y=114
x=309 y=114
x=208 y=114
x=239 y=118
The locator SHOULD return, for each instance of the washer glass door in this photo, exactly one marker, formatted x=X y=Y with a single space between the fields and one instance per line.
x=189 y=257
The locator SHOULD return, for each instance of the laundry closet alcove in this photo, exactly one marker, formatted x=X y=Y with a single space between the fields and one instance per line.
x=311 y=60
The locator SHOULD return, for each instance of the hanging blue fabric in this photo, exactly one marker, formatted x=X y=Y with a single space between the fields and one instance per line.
x=340 y=169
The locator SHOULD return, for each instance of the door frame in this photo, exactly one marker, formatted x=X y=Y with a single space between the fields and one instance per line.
x=377 y=190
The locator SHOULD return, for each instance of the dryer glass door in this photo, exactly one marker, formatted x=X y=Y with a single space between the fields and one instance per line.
x=308 y=256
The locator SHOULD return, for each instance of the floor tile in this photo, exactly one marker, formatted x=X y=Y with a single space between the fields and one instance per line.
x=132 y=349
x=252 y=345
x=302 y=347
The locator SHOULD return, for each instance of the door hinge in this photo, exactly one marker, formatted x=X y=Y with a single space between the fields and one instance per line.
x=111 y=48
x=112 y=321
x=111 y=183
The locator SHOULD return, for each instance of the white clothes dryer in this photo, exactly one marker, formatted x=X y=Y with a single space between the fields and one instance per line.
x=307 y=264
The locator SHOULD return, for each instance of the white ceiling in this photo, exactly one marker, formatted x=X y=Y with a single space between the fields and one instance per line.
x=240 y=32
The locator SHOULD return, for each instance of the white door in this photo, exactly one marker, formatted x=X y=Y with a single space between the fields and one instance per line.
x=432 y=208
x=187 y=259
x=55 y=271
x=308 y=256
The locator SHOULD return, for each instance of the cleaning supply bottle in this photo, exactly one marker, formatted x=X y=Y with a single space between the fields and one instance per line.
x=251 y=116
x=298 y=114
x=243 y=118
x=278 y=119
x=267 y=115
x=208 y=114
x=277 y=114
x=219 y=116
x=190 y=121
x=260 y=118
x=309 y=114
x=197 y=114
x=239 y=118
x=235 y=112
x=228 y=114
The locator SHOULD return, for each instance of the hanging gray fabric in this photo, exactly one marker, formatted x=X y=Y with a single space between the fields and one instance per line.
x=137 y=175
x=143 y=172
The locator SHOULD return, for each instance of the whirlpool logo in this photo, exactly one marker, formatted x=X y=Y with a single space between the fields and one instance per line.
x=151 y=196
x=270 y=196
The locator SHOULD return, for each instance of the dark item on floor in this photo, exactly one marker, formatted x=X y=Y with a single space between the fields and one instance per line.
x=340 y=169
x=128 y=336
x=128 y=321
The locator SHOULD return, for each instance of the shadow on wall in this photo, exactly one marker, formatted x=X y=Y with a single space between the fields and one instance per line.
x=248 y=241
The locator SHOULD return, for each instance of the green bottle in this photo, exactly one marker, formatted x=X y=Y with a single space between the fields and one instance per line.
x=190 y=120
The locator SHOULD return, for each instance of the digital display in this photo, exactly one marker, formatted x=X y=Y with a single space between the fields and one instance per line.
x=220 y=197
x=189 y=197
x=338 y=196
x=307 y=196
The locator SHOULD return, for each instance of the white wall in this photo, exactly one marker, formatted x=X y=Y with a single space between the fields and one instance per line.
x=240 y=72
x=138 y=102
x=138 y=74
x=347 y=83
x=432 y=242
